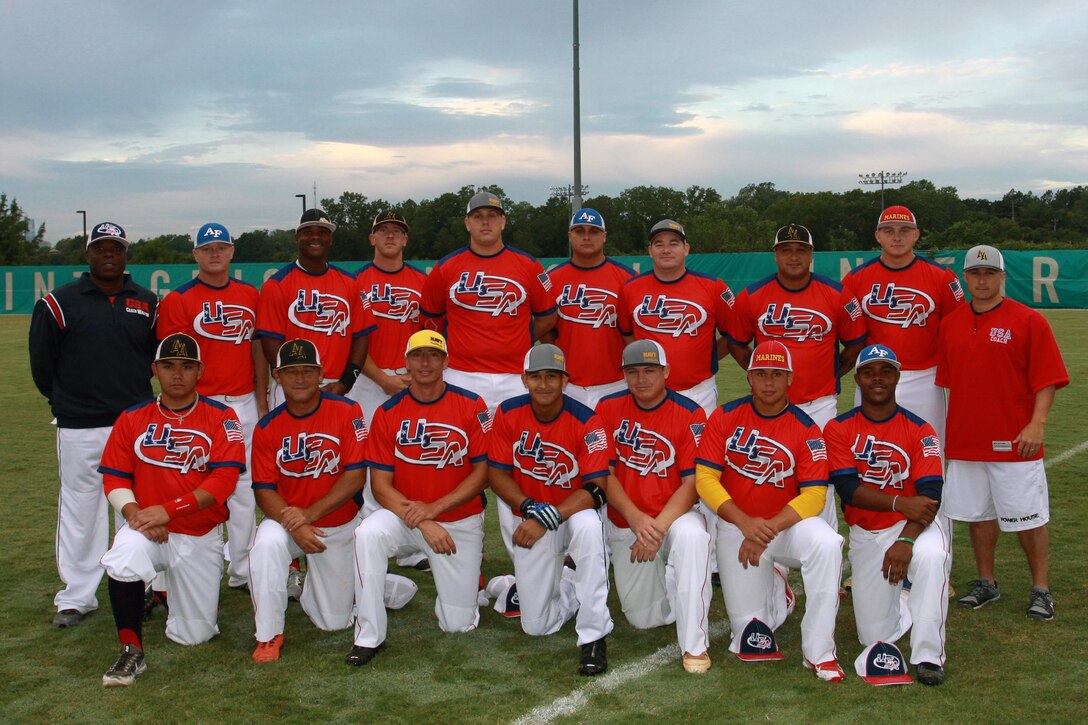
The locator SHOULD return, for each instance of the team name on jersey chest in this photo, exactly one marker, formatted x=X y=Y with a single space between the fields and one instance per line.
x=795 y=323
x=882 y=464
x=898 y=305
x=487 y=293
x=758 y=457
x=181 y=449
x=229 y=323
x=643 y=450
x=393 y=302
x=426 y=443
x=670 y=315
x=309 y=455
x=321 y=312
x=586 y=305
x=547 y=462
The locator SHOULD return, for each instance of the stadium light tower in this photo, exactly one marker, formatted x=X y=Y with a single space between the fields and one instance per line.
x=83 y=212
x=576 y=200
x=303 y=197
x=884 y=178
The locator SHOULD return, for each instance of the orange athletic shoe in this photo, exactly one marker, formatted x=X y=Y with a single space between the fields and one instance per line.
x=268 y=651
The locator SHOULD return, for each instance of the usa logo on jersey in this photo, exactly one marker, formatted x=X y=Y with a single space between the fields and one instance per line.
x=487 y=293
x=669 y=315
x=546 y=462
x=881 y=464
x=320 y=312
x=794 y=323
x=394 y=303
x=424 y=443
x=644 y=450
x=899 y=306
x=229 y=323
x=181 y=449
x=588 y=306
x=309 y=455
x=759 y=458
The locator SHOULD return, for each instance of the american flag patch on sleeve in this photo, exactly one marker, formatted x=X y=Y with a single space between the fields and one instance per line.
x=485 y=421
x=817 y=449
x=597 y=441
x=233 y=429
x=853 y=309
x=697 y=431
x=728 y=297
x=545 y=280
x=931 y=447
x=957 y=291
x=360 y=428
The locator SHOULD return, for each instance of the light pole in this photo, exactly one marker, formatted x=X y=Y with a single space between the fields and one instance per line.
x=884 y=178
x=577 y=198
x=303 y=197
x=84 y=213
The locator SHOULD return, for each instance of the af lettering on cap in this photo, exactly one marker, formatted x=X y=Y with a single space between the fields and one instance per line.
x=878 y=353
x=211 y=233
x=897 y=216
x=882 y=664
x=757 y=643
x=587 y=218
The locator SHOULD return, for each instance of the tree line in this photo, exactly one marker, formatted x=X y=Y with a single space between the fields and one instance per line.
x=745 y=222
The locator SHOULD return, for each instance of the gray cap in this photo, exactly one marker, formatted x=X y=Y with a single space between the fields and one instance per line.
x=644 y=352
x=983 y=256
x=545 y=357
x=668 y=225
x=485 y=198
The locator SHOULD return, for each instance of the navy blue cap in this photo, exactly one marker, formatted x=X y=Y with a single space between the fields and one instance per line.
x=757 y=643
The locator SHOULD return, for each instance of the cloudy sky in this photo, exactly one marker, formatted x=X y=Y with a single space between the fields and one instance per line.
x=160 y=116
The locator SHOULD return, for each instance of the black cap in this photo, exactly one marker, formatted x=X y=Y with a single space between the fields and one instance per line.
x=297 y=352
x=178 y=346
x=793 y=234
x=315 y=218
x=389 y=217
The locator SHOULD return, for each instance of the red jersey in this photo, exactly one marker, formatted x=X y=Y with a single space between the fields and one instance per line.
x=993 y=363
x=325 y=309
x=161 y=459
x=765 y=462
x=810 y=322
x=898 y=456
x=904 y=307
x=549 y=460
x=681 y=316
x=394 y=299
x=488 y=303
x=222 y=320
x=655 y=448
x=588 y=312
x=430 y=447
x=301 y=458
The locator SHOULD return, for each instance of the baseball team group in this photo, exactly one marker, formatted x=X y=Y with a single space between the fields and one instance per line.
x=330 y=422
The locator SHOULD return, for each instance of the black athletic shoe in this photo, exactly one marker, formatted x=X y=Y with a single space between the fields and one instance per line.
x=124 y=670
x=594 y=658
x=929 y=673
x=360 y=655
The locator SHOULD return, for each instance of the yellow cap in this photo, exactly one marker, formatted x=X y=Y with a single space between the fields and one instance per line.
x=426 y=338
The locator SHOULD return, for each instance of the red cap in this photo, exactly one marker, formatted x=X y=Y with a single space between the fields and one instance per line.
x=771 y=355
x=897 y=215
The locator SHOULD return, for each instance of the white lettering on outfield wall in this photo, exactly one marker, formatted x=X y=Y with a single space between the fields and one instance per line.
x=1041 y=279
x=845 y=266
x=43 y=285
x=9 y=292
x=159 y=275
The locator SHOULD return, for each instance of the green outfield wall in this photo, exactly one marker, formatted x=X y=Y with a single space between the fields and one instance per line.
x=1046 y=279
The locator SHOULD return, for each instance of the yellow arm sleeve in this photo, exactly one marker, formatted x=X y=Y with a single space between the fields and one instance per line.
x=708 y=483
x=809 y=502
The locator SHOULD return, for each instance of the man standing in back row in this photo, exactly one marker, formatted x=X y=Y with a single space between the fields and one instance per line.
x=91 y=346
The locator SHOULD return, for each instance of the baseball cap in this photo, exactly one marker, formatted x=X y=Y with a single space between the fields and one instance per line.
x=668 y=225
x=426 y=338
x=178 y=346
x=882 y=664
x=771 y=355
x=897 y=215
x=644 y=352
x=545 y=357
x=483 y=199
x=389 y=217
x=294 y=353
x=587 y=218
x=210 y=233
x=315 y=218
x=791 y=234
x=878 y=353
x=983 y=256
x=107 y=230
x=757 y=643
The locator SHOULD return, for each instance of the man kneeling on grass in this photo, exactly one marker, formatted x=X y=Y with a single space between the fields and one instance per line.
x=168 y=467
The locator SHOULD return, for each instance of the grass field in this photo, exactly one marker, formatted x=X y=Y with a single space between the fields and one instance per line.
x=1002 y=667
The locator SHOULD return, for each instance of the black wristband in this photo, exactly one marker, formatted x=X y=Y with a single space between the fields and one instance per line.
x=351 y=374
x=599 y=499
x=527 y=504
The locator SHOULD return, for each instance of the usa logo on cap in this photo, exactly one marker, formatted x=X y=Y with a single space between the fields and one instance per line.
x=882 y=664
x=757 y=643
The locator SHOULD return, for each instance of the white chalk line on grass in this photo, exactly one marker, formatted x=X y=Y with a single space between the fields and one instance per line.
x=1062 y=458
x=612 y=680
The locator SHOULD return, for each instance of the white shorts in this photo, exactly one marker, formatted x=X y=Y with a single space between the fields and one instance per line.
x=193 y=566
x=590 y=395
x=494 y=388
x=918 y=392
x=704 y=393
x=1015 y=493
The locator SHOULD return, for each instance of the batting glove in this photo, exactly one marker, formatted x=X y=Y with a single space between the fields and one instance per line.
x=546 y=515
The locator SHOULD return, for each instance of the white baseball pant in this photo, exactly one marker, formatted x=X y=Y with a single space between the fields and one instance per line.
x=674 y=587
x=705 y=394
x=877 y=604
x=192 y=567
x=590 y=395
x=369 y=395
x=550 y=594
x=456 y=576
x=809 y=545
x=83 y=530
x=242 y=524
x=821 y=411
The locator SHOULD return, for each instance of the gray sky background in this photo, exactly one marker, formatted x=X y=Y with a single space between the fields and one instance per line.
x=161 y=116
